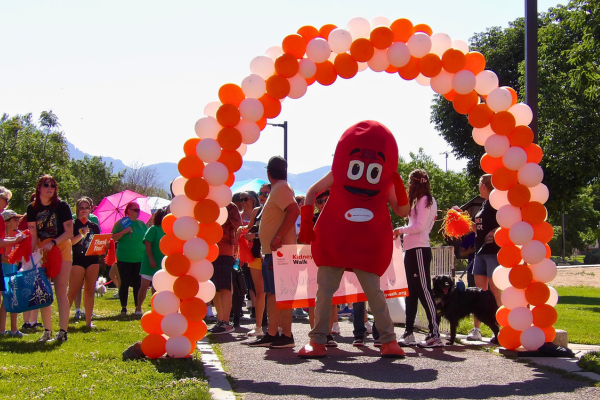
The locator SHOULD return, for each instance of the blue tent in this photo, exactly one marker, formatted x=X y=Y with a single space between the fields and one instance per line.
x=253 y=184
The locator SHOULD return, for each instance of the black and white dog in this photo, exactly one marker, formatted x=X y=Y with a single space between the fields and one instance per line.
x=455 y=305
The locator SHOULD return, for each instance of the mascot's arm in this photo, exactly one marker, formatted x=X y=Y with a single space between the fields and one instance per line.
x=307 y=232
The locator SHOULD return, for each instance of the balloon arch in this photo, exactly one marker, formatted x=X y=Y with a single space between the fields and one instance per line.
x=500 y=124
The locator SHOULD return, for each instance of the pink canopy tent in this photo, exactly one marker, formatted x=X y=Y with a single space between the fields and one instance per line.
x=112 y=208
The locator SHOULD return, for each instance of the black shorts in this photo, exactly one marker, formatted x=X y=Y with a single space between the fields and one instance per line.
x=223 y=270
x=85 y=261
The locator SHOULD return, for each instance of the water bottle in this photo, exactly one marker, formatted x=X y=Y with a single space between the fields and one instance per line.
x=236 y=265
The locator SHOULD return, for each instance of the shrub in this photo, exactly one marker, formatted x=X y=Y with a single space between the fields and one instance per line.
x=592 y=257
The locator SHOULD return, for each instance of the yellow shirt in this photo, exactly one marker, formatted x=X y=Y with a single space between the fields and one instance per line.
x=282 y=195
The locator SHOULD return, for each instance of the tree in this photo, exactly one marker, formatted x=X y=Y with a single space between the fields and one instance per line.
x=143 y=180
x=94 y=178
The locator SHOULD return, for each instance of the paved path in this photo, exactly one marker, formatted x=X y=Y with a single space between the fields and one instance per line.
x=451 y=372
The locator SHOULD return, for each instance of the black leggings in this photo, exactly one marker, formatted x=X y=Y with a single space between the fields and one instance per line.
x=418 y=277
x=130 y=277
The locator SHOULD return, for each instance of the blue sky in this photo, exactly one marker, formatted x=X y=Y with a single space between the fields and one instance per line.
x=128 y=79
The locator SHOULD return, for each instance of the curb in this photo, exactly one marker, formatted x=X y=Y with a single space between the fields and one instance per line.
x=220 y=389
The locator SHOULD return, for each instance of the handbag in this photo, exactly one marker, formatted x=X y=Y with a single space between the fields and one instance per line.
x=238 y=279
x=27 y=290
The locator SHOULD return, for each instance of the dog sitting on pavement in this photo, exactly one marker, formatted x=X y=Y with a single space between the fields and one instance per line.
x=455 y=305
x=100 y=286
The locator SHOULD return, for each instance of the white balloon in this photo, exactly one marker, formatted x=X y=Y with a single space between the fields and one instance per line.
x=533 y=338
x=514 y=158
x=539 y=193
x=251 y=110
x=460 y=45
x=362 y=66
x=215 y=173
x=220 y=194
x=463 y=82
x=486 y=81
x=178 y=347
x=500 y=277
x=521 y=233
x=379 y=61
x=544 y=271
x=262 y=66
x=496 y=145
x=359 y=28
x=162 y=280
x=207 y=127
x=419 y=44
x=249 y=130
x=480 y=135
x=210 y=110
x=442 y=83
x=306 y=68
x=165 y=302
x=208 y=150
x=196 y=249
x=223 y=215
x=185 y=228
x=533 y=252
x=508 y=215
x=273 y=53
x=498 y=198
x=182 y=206
x=398 y=54
x=499 y=99
x=332 y=57
x=178 y=185
x=174 y=324
x=254 y=86
x=298 y=86
x=513 y=298
x=242 y=149
x=206 y=291
x=318 y=50
x=553 y=299
x=530 y=175
x=423 y=80
x=440 y=42
x=380 y=21
x=520 y=318
x=522 y=113
x=201 y=270
x=340 y=40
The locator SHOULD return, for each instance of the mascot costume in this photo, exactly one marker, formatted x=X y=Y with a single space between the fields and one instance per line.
x=354 y=229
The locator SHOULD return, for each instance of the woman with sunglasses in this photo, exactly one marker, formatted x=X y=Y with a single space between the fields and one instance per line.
x=130 y=251
x=85 y=268
x=51 y=225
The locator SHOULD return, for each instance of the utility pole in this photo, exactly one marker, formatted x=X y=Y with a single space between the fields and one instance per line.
x=284 y=126
x=531 y=63
x=446 y=153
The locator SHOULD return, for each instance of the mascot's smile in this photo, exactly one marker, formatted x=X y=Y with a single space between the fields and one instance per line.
x=361 y=192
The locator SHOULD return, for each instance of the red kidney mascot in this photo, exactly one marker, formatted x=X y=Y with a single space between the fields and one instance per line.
x=354 y=229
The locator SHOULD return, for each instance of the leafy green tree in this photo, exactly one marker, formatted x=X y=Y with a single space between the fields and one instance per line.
x=94 y=178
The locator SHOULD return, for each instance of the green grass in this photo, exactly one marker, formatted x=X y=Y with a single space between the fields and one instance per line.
x=590 y=362
x=90 y=365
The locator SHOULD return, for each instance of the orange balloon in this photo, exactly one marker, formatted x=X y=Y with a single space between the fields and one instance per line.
x=177 y=264
x=537 y=293
x=286 y=65
x=262 y=123
x=195 y=189
x=277 y=86
x=195 y=331
x=534 y=153
x=509 y=338
x=548 y=251
x=430 y=65
x=206 y=211
x=534 y=212
x=544 y=315
x=213 y=252
x=474 y=62
x=170 y=244
x=514 y=95
x=490 y=164
x=308 y=33
x=504 y=178
x=520 y=276
x=453 y=60
x=502 y=316
x=345 y=66
x=151 y=323
x=509 y=256
x=193 y=309
x=231 y=93
x=423 y=28
x=382 y=37
x=153 y=346
x=503 y=123
x=402 y=29
x=450 y=95
x=362 y=50
x=231 y=159
x=464 y=103
x=229 y=138
x=271 y=105
x=167 y=223
x=550 y=333
x=542 y=232
x=294 y=45
x=211 y=233
x=228 y=115
x=519 y=195
x=411 y=70
x=189 y=147
x=480 y=116
x=190 y=166
x=502 y=238
x=326 y=74
x=521 y=136
x=185 y=287
x=230 y=180
x=391 y=69
x=325 y=30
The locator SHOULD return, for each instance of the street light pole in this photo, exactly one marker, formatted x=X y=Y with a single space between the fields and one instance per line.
x=531 y=63
x=284 y=126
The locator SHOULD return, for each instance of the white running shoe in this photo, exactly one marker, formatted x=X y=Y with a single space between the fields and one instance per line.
x=369 y=327
x=474 y=335
x=431 y=342
x=408 y=339
x=335 y=329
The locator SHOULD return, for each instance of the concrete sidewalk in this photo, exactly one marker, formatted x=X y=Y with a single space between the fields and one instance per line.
x=451 y=372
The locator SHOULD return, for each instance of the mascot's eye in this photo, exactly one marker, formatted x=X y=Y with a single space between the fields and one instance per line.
x=355 y=169
x=374 y=173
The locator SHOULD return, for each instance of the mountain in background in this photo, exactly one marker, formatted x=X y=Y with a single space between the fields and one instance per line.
x=250 y=170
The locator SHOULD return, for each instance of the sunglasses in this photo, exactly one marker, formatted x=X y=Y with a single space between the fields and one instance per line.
x=49 y=185
x=135 y=209
x=265 y=194
x=84 y=208
x=245 y=199
x=321 y=201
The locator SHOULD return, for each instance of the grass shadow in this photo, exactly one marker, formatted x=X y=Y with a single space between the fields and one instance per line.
x=583 y=300
x=21 y=346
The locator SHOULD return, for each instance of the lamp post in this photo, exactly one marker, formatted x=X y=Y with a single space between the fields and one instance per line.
x=284 y=126
x=531 y=63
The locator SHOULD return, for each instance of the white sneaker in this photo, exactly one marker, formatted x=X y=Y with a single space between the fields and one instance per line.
x=335 y=329
x=474 y=335
x=256 y=332
x=408 y=339
x=431 y=342
x=369 y=327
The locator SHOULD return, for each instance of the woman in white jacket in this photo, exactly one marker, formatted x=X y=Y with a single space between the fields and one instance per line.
x=417 y=258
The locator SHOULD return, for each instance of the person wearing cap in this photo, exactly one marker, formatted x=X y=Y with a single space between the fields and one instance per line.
x=276 y=229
